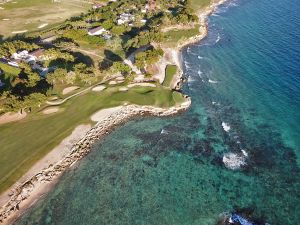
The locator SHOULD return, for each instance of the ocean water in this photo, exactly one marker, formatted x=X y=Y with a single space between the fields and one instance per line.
x=244 y=80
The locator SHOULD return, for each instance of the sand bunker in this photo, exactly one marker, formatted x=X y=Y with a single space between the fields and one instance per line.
x=19 y=31
x=43 y=25
x=104 y=113
x=139 y=78
x=123 y=89
x=51 y=110
x=1 y=8
x=99 y=88
x=69 y=89
x=120 y=78
x=113 y=82
x=141 y=84
x=5 y=19
x=11 y=117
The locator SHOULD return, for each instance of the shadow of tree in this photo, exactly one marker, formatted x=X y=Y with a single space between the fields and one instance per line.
x=110 y=58
x=83 y=58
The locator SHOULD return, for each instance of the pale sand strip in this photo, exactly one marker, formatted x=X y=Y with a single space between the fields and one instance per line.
x=11 y=117
x=19 y=31
x=141 y=84
x=104 y=113
x=99 y=88
x=69 y=89
x=50 y=110
x=43 y=25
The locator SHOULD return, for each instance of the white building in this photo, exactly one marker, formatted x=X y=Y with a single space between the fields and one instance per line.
x=97 y=31
x=125 y=18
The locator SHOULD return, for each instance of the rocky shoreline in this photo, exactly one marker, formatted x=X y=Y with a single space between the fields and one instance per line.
x=79 y=150
x=23 y=196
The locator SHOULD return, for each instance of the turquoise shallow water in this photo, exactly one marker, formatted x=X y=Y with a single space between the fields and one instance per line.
x=246 y=75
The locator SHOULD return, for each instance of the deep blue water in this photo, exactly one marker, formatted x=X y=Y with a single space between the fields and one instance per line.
x=246 y=75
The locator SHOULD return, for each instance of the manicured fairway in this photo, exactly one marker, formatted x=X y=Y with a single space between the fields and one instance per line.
x=25 y=142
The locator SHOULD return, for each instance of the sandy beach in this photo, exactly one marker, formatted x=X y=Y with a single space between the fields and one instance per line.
x=43 y=176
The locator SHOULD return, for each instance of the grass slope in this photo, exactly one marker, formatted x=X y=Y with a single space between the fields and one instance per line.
x=170 y=73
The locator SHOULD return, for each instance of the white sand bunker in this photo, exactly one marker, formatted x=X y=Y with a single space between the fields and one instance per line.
x=19 y=31
x=113 y=82
x=104 y=113
x=120 y=78
x=69 y=89
x=50 y=110
x=1 y=8
x=5 y=19
x=99 y=88
x=43 y=25
x=123 y=89
x=141 y=84
x=11 y=117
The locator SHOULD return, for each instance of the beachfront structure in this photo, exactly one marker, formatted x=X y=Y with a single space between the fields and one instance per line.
x=96 y=31
x=125 y=18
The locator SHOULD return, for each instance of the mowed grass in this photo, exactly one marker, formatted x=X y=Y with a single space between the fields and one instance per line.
x=170 y=73
x=10 y=73
x=175 y=36
x=200 y=4
x=23 y=143
x=30 y=14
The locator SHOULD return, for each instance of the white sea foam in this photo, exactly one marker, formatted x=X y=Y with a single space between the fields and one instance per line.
x=200 y=57
x=244 y=152
x=215 y=14
x=212 y=81
x=218 y=38
x=191 y=79
x=163 y=131
x=200 y=74
x=186 y=64
x=226 y=126
x=234 y=161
